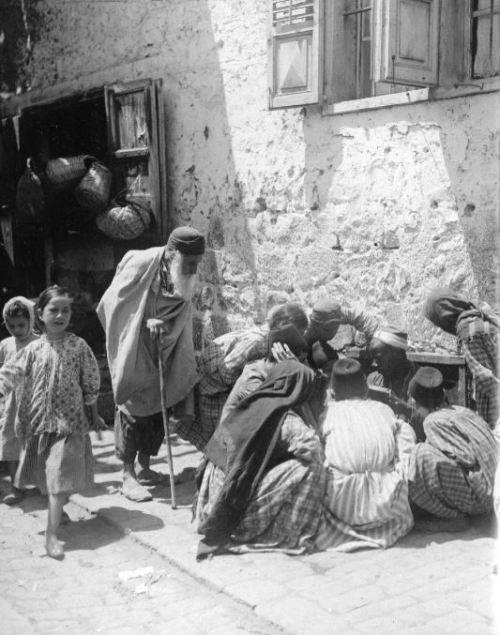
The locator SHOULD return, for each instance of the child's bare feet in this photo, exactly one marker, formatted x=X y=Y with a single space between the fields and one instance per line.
x=54 y=547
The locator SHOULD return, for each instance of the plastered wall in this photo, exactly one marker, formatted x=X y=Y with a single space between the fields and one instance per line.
x=372 y=208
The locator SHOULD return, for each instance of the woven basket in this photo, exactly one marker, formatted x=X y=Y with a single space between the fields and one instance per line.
x=64 y=173
x=92 y=193
x=126 y=221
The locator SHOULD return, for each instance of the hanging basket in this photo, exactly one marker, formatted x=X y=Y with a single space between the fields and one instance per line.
x=30 y=200
x=127 y=219
x=93 y=191
x=64 y=174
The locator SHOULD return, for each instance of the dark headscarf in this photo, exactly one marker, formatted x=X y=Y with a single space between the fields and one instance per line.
x=445 y=309
x=243 y=445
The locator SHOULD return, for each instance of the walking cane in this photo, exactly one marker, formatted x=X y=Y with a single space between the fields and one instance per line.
x=164 y=414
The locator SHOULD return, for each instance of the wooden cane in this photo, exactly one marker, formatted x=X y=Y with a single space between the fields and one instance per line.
x=166 y=427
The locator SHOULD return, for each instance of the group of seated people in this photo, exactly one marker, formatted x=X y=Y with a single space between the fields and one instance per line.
x=300 y=453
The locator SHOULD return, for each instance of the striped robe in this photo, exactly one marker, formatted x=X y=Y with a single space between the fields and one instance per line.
x=367 y=452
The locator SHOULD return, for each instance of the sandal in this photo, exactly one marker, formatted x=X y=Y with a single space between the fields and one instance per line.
x=135 y=492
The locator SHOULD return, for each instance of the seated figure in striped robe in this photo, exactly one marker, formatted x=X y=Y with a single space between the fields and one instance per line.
x=367 y=450
x=452 y=473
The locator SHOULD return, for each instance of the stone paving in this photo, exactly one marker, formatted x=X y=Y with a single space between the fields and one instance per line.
x=428 y=584
x=108 y=583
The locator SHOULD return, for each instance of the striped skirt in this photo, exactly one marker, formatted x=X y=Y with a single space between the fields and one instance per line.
x=56 y=464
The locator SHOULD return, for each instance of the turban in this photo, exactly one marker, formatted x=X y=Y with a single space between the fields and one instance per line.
x=392 y=337
x=187 y=240
x=426 y=387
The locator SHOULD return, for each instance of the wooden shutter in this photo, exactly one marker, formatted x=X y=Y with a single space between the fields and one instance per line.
x=294 y=52
x=406 y=42
x=136 y=132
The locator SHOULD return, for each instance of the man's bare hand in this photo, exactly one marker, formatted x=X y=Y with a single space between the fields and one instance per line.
x=156 y=327
x=281 y=352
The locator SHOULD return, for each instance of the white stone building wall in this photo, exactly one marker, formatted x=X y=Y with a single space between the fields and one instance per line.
x=372 y=208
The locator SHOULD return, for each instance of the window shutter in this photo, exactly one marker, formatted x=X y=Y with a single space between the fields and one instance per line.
x=294 y=52
x=136 y=139
x=407 y=35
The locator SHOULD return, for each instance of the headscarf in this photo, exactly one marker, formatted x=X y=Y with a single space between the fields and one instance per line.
x=244 y=443
x=29 y=305
x=445 y=308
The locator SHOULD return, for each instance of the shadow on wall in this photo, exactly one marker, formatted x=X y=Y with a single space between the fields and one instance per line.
x=204 y=188
x=385 y=195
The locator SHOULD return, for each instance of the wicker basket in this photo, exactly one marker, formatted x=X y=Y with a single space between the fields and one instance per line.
x=64 y=173
x=92 y=193
x=126 y=221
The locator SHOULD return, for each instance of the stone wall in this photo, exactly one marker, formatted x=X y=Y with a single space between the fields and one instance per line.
x=373 y=208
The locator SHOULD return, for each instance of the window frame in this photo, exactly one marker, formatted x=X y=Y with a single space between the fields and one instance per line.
x=453 y=58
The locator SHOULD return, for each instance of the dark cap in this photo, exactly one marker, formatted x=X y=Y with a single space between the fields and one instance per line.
x=348 y=378
x=426 y=387
x=187 y=240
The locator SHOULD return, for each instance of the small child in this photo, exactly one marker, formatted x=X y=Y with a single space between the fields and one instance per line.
x=58 y=376
x=19 y=317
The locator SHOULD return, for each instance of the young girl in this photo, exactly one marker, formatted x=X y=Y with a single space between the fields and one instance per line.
x=58 y=375
x=19 y=318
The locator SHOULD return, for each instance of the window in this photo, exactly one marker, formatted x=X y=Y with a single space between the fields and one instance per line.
x=485 y=38
x=330 y=51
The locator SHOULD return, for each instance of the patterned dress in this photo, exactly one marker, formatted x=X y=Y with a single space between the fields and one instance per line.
x=453 y=472
x=9 y=443
x=56 y=380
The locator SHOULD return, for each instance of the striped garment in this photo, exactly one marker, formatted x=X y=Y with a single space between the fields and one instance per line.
x=478 y=340
x=367 y=452
x=453 y=472
x=286 y=509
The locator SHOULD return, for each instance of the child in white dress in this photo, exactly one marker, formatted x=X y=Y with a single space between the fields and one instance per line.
x=19 y=317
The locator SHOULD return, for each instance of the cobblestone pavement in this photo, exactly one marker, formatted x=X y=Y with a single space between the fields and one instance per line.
x=427 y=584
x=92 y=590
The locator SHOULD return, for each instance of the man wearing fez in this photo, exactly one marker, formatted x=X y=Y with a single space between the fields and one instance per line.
x=146 y=309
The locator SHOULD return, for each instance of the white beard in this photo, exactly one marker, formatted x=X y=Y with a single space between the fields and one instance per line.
x=183 y=285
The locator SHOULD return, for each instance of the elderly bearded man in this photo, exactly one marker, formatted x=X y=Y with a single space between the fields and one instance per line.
x=148 y=306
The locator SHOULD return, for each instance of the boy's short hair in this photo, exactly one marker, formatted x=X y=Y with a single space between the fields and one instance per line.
x=16 y=309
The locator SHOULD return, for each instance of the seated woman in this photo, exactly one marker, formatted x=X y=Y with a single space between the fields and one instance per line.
x=451 y=475
x=367 y=450
x=264 y=482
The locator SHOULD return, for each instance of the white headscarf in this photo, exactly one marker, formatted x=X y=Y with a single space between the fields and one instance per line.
x=29 y=305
